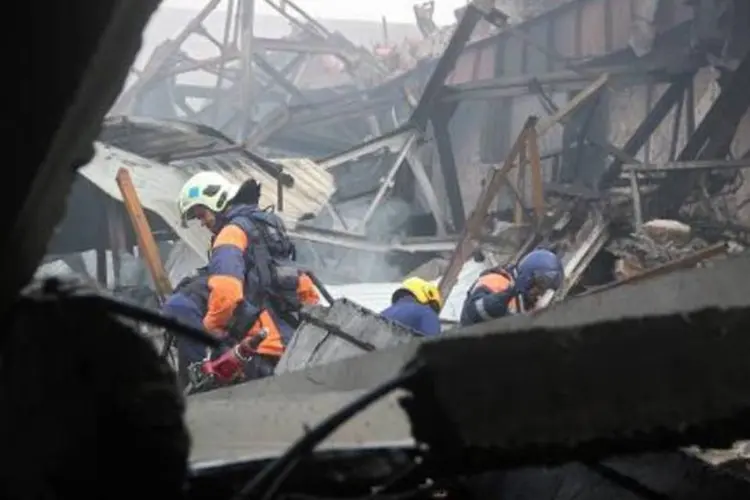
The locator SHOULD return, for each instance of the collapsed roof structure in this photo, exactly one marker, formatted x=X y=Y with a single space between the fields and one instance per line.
x=625 y=115
x=610 y=176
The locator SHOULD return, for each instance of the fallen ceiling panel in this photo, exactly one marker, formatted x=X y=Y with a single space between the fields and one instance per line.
x=234 y=429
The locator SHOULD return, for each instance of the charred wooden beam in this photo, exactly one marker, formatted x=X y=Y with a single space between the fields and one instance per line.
x=278 y=77
x=475 y=223
x=711 y=139
x=440 y=124
x=445 y=65
x=571 y=106
x=685 y=166
x=647 y=127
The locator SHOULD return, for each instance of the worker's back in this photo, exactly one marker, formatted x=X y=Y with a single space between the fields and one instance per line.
x=410 y=313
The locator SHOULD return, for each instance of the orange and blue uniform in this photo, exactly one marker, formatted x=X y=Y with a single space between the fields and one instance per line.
x=493 y=295
x=233 y=279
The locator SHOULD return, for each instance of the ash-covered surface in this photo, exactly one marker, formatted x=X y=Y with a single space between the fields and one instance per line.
x=265 y=426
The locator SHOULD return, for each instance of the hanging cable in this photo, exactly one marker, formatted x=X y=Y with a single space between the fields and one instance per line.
x=268 y=481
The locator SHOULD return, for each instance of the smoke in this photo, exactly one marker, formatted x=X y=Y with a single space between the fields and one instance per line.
x=336 y=264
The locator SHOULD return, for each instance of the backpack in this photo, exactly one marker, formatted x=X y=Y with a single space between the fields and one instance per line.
x=271 y=273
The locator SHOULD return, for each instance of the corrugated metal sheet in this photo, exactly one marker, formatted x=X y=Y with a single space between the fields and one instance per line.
x=158 y=186
x=377 y=296
x=203 y=148
x=312 y=187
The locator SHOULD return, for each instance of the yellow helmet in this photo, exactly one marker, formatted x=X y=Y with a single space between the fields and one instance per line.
x=423 y=291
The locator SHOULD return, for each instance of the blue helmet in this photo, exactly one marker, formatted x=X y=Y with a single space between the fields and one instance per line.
x=539 y=267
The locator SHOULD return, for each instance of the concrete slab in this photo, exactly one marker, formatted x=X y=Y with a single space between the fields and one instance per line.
x=228 y=430
x=652 y=360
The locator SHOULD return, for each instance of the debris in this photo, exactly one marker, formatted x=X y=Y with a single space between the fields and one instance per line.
x=341 y=331
x=666 y=231
x=643 y=251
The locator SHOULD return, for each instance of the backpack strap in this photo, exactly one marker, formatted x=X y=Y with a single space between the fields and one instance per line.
x=270 y=275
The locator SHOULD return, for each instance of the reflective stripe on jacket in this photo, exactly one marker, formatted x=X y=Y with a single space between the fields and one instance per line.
x=229 y=281
x=490 y=297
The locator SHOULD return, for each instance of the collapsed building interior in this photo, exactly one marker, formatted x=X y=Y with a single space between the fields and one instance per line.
x=615 y=133
x=395 y=195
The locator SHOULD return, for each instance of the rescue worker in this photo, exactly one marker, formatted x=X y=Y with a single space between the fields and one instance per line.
x=253 y=284
x=416 y=304
x=188 y=304
x=512 y=290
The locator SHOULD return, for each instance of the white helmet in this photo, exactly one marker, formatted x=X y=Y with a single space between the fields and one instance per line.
x=207 y=189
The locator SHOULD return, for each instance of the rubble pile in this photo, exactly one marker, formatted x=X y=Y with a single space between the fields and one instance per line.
x=657 y=242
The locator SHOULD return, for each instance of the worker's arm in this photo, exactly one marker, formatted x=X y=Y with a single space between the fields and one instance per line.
x=483 y=305
x=226 y=270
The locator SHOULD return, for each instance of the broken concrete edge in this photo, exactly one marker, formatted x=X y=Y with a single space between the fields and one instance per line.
x=235 y=429
x=625 y=363
x=355 y=373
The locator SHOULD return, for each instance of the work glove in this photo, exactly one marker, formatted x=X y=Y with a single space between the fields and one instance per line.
x=226 y=368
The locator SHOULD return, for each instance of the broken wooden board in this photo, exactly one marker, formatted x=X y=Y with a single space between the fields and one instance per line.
x=338 y=332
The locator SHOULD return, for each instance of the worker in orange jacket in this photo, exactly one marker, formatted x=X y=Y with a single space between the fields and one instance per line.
x=509 y=290
x=253 y=283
